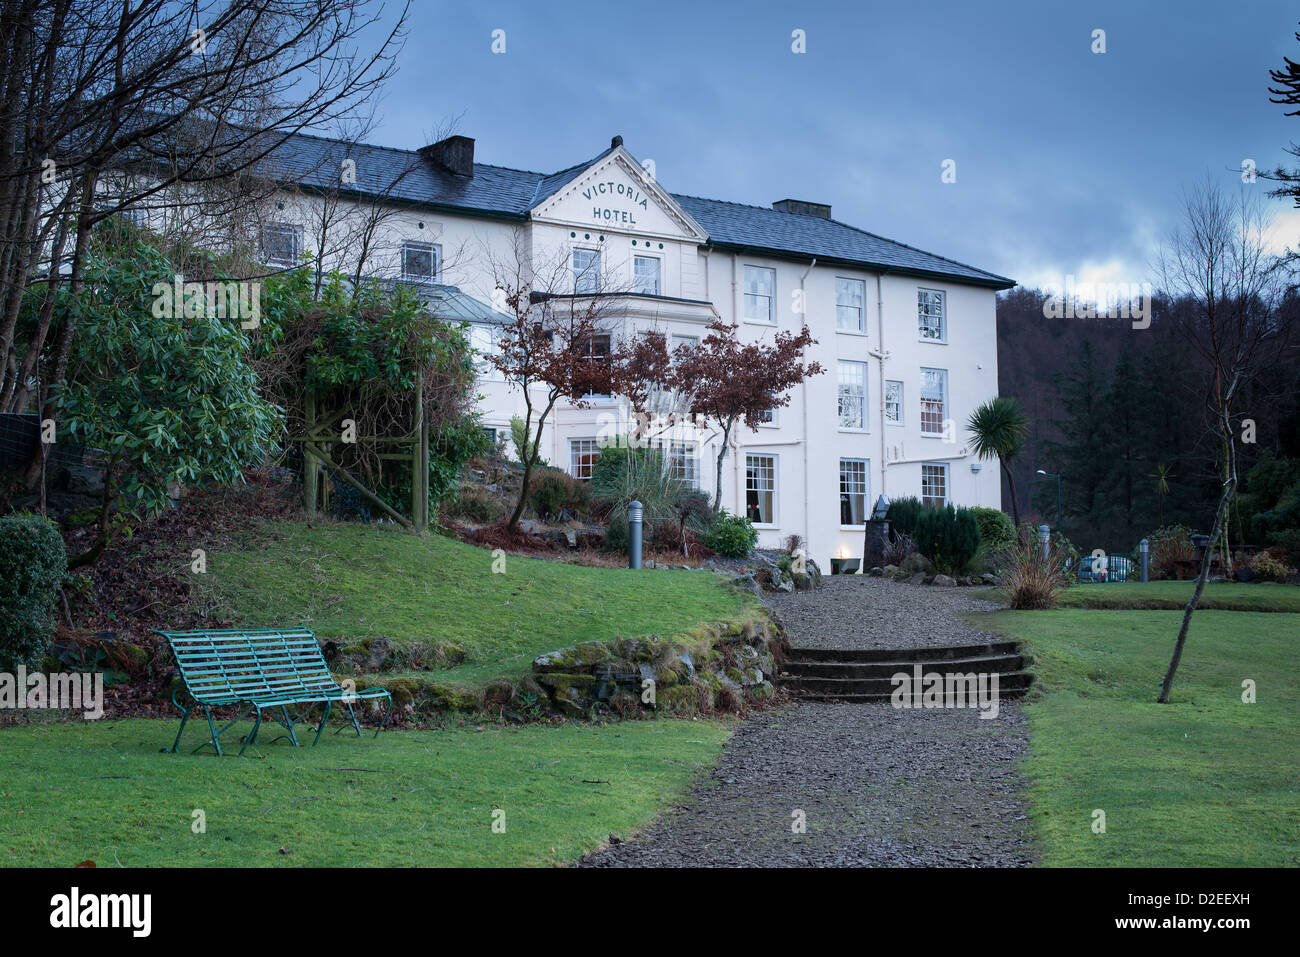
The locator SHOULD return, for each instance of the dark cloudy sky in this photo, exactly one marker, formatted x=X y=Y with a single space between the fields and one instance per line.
x=1067 y=161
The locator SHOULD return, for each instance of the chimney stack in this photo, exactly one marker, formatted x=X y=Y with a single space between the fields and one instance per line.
x=455 y=154
x=803 y=208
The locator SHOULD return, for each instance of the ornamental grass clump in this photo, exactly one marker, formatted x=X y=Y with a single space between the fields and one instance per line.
x=1032 y=579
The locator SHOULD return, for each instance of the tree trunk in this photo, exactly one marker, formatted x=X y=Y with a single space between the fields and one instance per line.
x=530 y=461
x=32 y=473
x=1011 y=483
x=105 y=524
x=722 y=454
x=1220 y=517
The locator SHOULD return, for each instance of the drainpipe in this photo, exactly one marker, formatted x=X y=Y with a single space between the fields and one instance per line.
x=803 y=397
x=735 y=452
x=880 y=346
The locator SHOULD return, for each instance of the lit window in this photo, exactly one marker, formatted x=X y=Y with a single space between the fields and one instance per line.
x=853 y=491
x=420 y=262
x=281 y=244
x=893 y=402
x=934 y=388
x=760 y=295
x=929 y=313
x=760 y=489
x=853 y=395
x=586 y=271
x=645 y=275
x=682 y=463
x=850 y=294
x=582 y=456
x=934 y=484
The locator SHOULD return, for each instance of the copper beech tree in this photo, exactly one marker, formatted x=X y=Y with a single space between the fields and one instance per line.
x=722 y=379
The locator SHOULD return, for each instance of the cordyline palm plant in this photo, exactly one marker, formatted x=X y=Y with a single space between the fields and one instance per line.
x=999 y=429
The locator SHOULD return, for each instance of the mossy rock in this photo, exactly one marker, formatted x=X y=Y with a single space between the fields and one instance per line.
x=403 y=691
x=668 y=677
x=682 y=699
x=452 y=698
x=579 y=657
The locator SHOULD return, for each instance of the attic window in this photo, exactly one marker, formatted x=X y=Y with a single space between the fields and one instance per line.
x=420 y=262
x=281 y=244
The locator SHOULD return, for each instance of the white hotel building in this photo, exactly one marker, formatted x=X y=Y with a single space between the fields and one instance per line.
x=907 y=338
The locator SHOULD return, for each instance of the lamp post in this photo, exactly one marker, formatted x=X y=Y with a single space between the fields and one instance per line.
x=1056 y=476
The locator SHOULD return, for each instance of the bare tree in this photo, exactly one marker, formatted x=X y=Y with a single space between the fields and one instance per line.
x=122 y=105
x=556 y=344
x=1218 y=262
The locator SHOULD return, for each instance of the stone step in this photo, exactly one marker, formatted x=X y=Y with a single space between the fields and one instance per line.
x=884 y=669
x=909 y=655
x=880 y=689
x=844 y=698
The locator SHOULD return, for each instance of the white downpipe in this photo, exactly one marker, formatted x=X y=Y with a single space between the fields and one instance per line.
x=803 y=398
x=880 y=347
x=734 y=451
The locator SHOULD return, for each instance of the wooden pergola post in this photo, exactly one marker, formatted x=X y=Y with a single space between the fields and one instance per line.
x=420 y=462
x=310 y=467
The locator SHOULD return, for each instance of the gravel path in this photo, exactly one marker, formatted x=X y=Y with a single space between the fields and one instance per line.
x=857 y=611
x=876 y=786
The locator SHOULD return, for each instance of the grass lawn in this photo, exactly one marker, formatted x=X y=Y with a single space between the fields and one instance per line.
x=103 y=792
x=1206 y=780
x=1225 y=596
x=358 y=581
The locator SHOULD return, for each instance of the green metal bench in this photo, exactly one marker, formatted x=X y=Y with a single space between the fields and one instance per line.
x=272 y=670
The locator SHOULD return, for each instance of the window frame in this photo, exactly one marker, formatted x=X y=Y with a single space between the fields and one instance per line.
x=839 y=395
x=942 y=337
x=946 y=474
x=578 y=276
x=943 y=413
x=293 y=230
x=684 y=462
x=775 y=472
x=484 y=370
x=900 y=404
x=435 y=261
x=659 y=274
x=575 y=466
x=865 y=493
x=861 y=329
x=606 y=357
x=745 y=294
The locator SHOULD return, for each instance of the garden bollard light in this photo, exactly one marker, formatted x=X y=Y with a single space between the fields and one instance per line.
x=634 y=534
x=1044 y=536
x=1144 y=551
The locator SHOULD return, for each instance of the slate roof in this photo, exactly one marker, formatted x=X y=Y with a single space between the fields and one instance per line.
x=502 y=193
